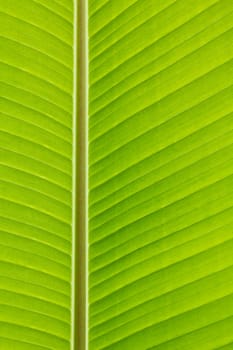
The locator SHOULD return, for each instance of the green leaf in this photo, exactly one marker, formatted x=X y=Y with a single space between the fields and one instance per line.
x=36 y=84
x=160 y=174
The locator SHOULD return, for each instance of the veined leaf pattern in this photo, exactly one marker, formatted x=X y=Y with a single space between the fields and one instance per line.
x=160 y=174
x=36 y=82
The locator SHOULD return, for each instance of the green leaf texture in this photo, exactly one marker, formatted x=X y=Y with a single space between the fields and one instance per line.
x=160 y=174
x=36 y=59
